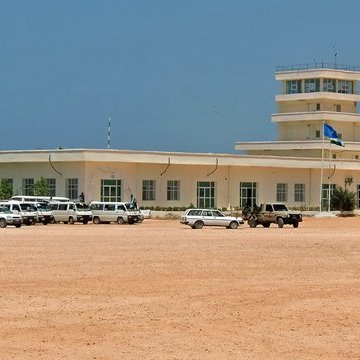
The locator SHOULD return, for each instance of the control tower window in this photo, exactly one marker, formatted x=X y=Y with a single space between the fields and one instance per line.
x=293 y=86
x=312 y=85
x=345 y=87
x=329 y=85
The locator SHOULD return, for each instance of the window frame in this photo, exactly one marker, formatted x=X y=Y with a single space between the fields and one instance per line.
x=28 y=186
x=148 y=190
x=173 y=190
x=72 y=188
x=299 y=192
x=206 y=194
x=110 y=190
x=281 y=192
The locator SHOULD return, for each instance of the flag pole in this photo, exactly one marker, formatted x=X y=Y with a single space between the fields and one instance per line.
x=329 y=176
x=322 y=164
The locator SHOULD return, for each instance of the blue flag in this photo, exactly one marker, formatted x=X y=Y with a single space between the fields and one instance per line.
x=333 y=135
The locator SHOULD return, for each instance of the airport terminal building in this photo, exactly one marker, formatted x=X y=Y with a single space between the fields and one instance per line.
x=300 y=168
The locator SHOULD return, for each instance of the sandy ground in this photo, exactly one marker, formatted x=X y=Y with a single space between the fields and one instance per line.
x=160 y=290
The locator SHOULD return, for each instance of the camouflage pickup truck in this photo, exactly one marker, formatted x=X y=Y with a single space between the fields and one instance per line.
x=271 y=213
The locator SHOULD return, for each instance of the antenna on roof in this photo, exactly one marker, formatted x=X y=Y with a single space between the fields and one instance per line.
x=336 y=53
x=109 y=134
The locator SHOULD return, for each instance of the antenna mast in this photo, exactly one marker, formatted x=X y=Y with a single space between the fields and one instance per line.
x=109 y=134
x=335 y=55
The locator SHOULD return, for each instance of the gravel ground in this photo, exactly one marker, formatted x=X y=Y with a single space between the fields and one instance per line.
x=160 y=290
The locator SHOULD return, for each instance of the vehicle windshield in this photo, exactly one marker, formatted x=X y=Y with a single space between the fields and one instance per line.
x=5 y=209
x=280 y=207
x=27 y=207
x=82 y=207
x=131 y=206
x=43 y=207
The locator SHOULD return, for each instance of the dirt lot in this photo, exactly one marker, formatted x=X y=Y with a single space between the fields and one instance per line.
x=160 y=290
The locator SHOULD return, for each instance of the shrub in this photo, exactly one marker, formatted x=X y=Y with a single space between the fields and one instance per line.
x=343 y=199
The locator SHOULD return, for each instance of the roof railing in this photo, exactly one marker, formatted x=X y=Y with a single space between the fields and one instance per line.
x=317 y=65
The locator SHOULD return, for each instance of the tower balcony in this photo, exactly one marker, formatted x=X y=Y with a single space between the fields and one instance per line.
x=316 y=116
x=318 y=70
x=317 y=96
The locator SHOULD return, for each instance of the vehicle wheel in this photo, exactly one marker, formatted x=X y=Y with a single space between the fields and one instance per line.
x=131 y=221
x=18 y=225
x=45 y=222
x=280 y=222
x=85 y=222
x=120 y=220
x=71 y=221
x=96 y=220
x=266 y=225
x=252 y=222
x=3 y=223
x=296 y=224
x=233 y=225
x=198 y=224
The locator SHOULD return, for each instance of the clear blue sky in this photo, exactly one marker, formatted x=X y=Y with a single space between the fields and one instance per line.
x=173 y=75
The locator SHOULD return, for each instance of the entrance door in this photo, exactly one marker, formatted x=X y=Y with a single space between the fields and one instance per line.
x=248 y=194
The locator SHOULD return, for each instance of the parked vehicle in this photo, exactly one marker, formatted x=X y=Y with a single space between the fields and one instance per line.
x=8 y=218
x=69 y=212
x=119 y=212
x=271 y=213
x=27 y=211
x=197 y=218
x=44 y=213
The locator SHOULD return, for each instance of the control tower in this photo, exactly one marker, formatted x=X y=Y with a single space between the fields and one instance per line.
x=311 y=95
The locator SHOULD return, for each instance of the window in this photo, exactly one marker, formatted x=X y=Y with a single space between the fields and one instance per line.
x=173 y=190
x=27 y=186
x=51 y=183
x=121 y=208
x=326 y=193
x=356 y=157
x=338 y=107
x=312 y=85
x=110 y=190
x=248 y=194
x=72 y=188
x=358 y=195
x=62 y=207
x=299 y=192
x=109 y=207
x=148 y=190
x=317 y=107
x=281 y=192
x=206 y=194
x=345 y=87
x=218 y=213
x=207 y=213
x=329 y=85
x=317 y=134
x=7 y=184
x=293 y=86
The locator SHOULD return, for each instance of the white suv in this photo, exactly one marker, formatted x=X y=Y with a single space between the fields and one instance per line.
x=197 y=218
x=8 y=218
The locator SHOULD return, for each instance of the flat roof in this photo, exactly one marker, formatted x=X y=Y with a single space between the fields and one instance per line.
x=164 y=158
